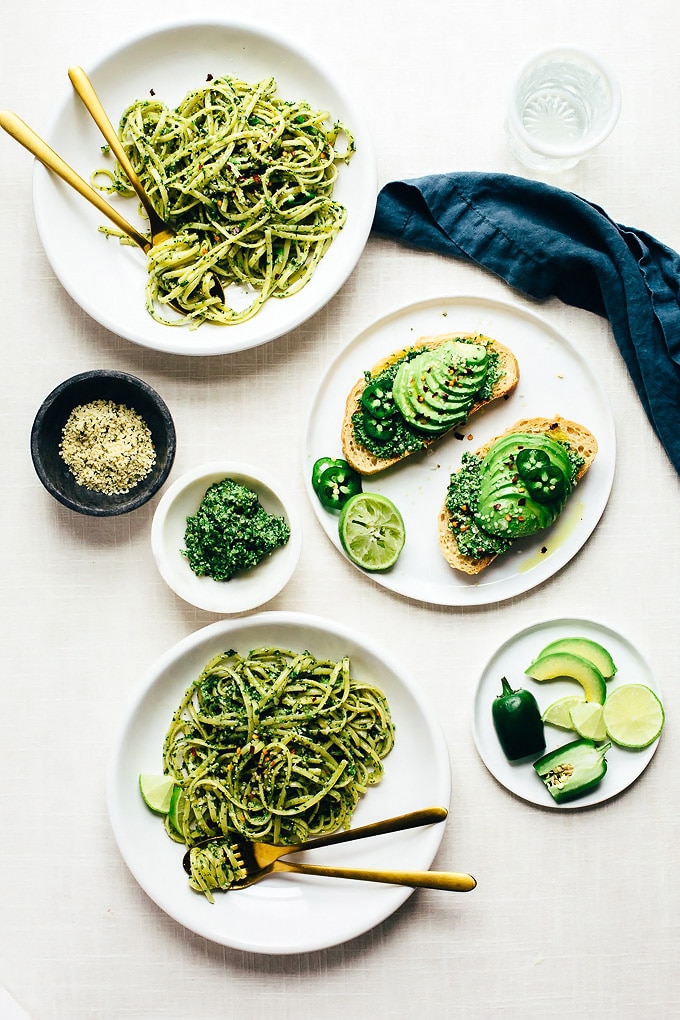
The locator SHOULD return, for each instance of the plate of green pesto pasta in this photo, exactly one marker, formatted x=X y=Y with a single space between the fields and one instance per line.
x=276 y=727
x=251 y=150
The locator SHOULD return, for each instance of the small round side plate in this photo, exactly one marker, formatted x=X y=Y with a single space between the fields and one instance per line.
x=511 y=660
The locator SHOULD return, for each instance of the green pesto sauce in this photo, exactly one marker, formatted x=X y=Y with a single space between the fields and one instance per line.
x=231 y=532
x=462 y=501
x=406 y=438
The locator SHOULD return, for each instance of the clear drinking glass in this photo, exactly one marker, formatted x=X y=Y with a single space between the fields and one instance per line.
x=564 y=103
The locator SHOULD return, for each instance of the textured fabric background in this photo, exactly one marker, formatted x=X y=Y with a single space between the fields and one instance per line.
x=576 y=914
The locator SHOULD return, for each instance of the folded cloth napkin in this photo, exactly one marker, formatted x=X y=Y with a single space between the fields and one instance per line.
x=545 y=241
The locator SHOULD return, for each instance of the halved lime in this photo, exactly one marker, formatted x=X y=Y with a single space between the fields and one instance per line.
x=156 y=792
x=634 y=716
x=588 y=720
x=371 y=531
x=559 y=712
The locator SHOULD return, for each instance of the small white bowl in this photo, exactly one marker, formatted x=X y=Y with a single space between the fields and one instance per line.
x=245 y=591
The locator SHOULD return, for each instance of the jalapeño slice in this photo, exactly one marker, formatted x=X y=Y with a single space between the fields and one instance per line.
x=544 y=482
x=377 y=400
x=335 y=483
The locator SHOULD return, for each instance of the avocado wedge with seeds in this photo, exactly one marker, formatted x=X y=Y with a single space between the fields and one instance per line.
x=561 y=665
x=587 y=649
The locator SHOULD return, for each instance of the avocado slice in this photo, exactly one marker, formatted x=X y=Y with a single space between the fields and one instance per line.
x=436 y=389
x=587 y=649
x=506 y=508
x=561 y=665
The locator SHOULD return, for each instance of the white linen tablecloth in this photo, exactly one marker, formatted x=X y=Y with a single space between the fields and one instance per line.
x=575 y=914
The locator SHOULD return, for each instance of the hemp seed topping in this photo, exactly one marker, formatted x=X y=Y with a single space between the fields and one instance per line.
x=107 y=446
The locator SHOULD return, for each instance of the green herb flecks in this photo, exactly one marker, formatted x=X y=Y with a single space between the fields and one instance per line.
x=462 y=500
x=231 y=532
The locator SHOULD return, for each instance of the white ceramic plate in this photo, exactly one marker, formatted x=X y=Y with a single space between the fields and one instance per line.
x=284 y=913
x=510 y=660
x=244 y=591
x=106 y=279
x=555 y=379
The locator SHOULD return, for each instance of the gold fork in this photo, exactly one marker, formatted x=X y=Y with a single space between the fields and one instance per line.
x=259 y=860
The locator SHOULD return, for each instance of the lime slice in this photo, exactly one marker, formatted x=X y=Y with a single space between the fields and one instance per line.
x=371 y=531
x=588 y=720
x=559 y=712
x=156 y=792
x=634 y=716
x=177 y=801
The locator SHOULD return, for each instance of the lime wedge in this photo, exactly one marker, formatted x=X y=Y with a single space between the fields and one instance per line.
x=177 y=801
x=156 y=792
x=559 y=712
x=634 y=716
x=588 y=720
x=371 y=531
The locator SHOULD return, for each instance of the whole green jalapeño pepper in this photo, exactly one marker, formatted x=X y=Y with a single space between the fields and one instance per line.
x=573 y=769
x=517 y=721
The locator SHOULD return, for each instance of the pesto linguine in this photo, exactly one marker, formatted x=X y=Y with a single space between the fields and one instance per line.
x=275 y=746
x=246 y=179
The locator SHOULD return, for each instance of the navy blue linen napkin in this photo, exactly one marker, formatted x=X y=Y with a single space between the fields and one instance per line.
x=545 y=241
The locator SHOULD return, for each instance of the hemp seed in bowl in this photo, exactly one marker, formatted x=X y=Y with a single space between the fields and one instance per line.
x=103 y=442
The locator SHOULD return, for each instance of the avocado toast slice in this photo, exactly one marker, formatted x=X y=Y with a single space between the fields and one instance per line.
x=515 y=485
x=434 y=387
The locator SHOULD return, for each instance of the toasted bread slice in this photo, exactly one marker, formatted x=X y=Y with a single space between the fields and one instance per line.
x=361 y=459
x=561 y=429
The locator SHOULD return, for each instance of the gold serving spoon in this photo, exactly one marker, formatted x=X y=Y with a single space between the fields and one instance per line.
x=160 y=230
x=262 y=859
x=27 y=137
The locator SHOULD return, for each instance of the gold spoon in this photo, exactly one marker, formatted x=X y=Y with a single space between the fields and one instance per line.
x=27 y=137
x=261 y=859
x=160 y=230
x=446 y=880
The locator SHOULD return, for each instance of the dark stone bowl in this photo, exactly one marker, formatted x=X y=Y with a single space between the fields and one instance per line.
x=49 y=422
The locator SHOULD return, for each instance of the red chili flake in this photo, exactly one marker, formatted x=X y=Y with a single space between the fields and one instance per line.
x=151 y=92
x=209 y=78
